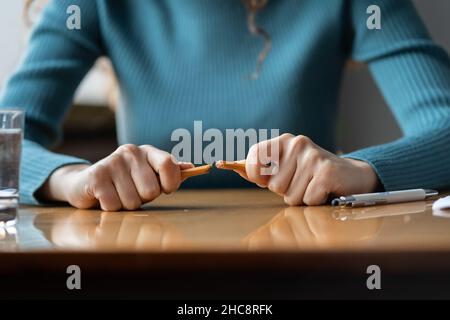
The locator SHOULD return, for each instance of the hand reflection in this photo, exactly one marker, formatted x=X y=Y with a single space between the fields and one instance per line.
x=311 y=227
x=236 y=229
x=86 y=229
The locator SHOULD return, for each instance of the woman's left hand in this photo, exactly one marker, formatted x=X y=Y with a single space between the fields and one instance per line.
x=305 y=173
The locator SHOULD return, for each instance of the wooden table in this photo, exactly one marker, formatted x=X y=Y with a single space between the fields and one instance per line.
x=228 y=244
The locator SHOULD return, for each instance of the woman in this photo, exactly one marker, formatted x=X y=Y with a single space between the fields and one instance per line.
x=181 y=61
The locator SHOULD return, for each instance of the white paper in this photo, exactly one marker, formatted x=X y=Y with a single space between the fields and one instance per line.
x=442 y=204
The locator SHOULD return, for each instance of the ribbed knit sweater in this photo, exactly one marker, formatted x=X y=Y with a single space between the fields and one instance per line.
x=178 y=61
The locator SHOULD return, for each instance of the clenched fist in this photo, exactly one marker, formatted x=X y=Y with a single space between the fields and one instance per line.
x=304 y=173
x=126 y=179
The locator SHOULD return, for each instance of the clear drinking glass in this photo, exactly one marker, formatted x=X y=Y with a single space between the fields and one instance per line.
x=11 y=135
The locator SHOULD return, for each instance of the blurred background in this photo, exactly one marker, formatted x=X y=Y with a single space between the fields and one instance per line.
x=362 y=106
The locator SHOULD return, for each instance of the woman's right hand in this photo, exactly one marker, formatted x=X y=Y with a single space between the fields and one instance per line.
x=126 y=179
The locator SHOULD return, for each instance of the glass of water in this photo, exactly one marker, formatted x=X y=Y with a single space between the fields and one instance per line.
x=11 y=135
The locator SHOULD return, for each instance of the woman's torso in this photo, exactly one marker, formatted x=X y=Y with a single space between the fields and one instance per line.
x=182 y=61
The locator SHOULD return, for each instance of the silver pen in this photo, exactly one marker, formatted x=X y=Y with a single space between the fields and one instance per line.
x=371 y=199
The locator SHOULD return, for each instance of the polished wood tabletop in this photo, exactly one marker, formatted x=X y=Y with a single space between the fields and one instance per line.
x=211 y=230
x=229 y=220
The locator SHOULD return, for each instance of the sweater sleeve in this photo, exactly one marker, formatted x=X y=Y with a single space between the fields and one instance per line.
x=56 y=60
x=413 y=73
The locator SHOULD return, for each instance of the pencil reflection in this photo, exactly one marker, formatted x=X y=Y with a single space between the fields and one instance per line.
x=84 y=229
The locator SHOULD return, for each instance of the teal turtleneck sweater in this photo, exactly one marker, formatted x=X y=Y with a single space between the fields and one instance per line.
x=178 y=61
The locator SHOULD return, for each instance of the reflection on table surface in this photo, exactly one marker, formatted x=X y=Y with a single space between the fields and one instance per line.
x=221 y=220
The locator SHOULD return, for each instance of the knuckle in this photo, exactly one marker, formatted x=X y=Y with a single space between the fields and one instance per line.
x=286 y=136
x=167 y=163
x=128 y=148
x=316 y=198
x=109 y=205
x=151 y=193
x=313 y=155
x=291 y=201
x=300 y=141
x=313 y=202
x=146 y=149
x=128 y=152
x=115 y=162
x=276 y=187
x=309 y=200
x=133 y=205
x=98 y=173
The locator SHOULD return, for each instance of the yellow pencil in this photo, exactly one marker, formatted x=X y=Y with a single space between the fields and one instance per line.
x=231 y=165
x=196 y=171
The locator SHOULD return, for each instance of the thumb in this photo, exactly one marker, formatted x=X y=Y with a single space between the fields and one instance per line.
x=185 y=165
